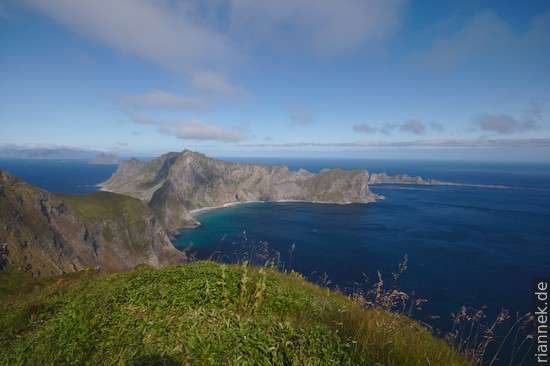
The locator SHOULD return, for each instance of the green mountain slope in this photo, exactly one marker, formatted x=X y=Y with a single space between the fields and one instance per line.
x=203 y=313
x=48 y=234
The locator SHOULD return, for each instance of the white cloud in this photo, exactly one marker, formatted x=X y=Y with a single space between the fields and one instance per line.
x=458 y=143
x=215 y=83
x=160 y=99
x=504 y=124
x=141 y=120
x=162 y=32
x=364 y=128
x=299 y=115
x=486 y=37
x=205 y=40
x=323 y=26
x=530 y=119
x=501 y=124
x=200 y=131
x=193 y=129
x=413 y=126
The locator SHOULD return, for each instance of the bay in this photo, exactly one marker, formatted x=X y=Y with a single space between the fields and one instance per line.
x=469 y=246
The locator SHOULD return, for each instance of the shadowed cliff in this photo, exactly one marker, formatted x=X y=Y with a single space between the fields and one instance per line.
x=46 y=233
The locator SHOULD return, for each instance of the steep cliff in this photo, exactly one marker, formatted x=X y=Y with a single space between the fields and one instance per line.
x=46 y=234
x=200 y=182
x=177 y=182
x=169 y=208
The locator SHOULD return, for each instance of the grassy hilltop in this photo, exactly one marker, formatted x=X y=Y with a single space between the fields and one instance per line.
x=203 y=313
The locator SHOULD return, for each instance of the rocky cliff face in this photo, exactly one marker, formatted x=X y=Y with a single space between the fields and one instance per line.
x=49 y=234
x=170 y=209
x=141 y=179
x=177 y=182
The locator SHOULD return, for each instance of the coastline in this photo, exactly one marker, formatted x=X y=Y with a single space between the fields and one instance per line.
x=225 y=205
x=103 y=189
x=234 y=204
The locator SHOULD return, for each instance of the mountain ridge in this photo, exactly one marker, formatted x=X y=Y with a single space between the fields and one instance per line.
x=196 y=181
x=47 y=234
x=176 y=185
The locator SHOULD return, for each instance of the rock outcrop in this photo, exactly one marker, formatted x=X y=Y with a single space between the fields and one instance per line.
x=169 y=208
x=48 y=234
x=177 y=182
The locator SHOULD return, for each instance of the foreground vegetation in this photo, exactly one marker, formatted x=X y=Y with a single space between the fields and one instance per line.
x=203 y=313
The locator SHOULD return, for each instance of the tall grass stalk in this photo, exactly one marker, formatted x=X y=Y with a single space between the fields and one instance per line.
x=470 y=335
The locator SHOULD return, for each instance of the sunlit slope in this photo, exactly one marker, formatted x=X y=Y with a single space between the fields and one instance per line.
x=205 y=313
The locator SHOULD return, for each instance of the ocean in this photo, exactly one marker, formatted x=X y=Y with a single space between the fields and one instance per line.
x=61 y=176
x=477 y=247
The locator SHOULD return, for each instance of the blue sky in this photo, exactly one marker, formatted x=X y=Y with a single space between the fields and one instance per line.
x=347 y=78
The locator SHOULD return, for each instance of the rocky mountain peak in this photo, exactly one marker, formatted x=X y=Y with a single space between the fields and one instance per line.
x=189 y=180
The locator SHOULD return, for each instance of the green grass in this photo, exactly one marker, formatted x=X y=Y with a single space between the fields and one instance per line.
x=205 y=313
x=103 y=205
x=26 y=302
x=107 y=206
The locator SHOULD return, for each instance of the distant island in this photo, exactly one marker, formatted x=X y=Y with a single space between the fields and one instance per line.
x=43 y=152
x=48 y=152
x=106 y=159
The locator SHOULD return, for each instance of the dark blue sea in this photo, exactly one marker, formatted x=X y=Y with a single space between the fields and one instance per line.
x=61 y=176
x=466 y=245
x=477 y=247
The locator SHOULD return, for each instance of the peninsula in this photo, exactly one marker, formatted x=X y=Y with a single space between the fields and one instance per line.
x=175 y=185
